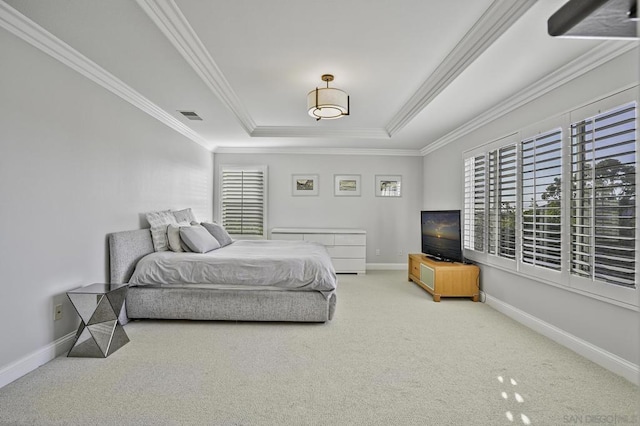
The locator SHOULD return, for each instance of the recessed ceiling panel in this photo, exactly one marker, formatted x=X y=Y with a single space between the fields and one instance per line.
x=274 y=53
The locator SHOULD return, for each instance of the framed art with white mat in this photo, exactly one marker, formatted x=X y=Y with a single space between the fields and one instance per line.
x=346 y=185
x=388 y=185
x=304 y=185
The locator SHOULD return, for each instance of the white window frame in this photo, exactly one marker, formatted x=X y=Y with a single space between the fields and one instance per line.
x=612 y=293
x=539 y=238
x=475 y=189
x=238 y=167
x=484 y=256
x=562 y=122
x=600 y=288
x=495 y=205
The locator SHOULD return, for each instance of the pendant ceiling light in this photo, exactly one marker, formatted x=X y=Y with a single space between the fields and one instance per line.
x=327 y=103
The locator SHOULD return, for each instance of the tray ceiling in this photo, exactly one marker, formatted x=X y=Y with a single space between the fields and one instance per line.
x=417 y=71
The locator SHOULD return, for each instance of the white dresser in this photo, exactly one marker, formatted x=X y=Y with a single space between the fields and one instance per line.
x=347 y=247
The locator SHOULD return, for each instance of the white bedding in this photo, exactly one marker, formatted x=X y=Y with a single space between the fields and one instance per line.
x=266 y=264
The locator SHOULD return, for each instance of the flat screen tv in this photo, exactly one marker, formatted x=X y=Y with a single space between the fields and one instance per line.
x=441 y=235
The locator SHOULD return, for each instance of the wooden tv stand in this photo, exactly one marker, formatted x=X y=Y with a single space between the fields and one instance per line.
x=444 y=279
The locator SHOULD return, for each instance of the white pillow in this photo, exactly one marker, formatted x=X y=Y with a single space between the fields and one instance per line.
x=159 y=221
x=185 y=215
x=173 y=235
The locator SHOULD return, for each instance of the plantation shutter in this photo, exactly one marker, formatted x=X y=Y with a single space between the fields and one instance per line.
x=502 y=201
x=474 y=202
x=243 y=202
x=541 y=159
x=603 y=205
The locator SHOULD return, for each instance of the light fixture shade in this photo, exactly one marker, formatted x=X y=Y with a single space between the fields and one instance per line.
x=327 y=103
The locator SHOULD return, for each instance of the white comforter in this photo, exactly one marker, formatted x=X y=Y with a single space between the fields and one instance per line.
x=299 y=265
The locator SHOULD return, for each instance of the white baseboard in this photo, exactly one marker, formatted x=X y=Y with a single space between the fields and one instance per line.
x=387 y=266
x=611 y=362
x=35 y=359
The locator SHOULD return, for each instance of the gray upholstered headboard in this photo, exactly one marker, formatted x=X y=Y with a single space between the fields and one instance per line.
x=125 y=249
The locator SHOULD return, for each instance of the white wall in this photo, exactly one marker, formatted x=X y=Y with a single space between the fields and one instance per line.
x=609 y=327
x=76 y=163
x=392 y=224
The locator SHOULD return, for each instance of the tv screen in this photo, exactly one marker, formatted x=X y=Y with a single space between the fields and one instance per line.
x=441 y=235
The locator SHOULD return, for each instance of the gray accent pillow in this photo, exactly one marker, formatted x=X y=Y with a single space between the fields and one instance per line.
x=198 y=239
x=185 y=215
x=219 y=233
x=158 y=221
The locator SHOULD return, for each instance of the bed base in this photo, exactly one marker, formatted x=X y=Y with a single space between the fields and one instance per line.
x=228 y=305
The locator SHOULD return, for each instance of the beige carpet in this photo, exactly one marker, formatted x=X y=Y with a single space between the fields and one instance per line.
x=391 y=356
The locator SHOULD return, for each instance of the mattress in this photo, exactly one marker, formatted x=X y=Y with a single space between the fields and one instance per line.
x=244 y=264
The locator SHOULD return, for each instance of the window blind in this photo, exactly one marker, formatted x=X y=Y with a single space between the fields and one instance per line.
x=541 y=173
x=474 y=202
x=502 y=201
x=242 y=201
x=603 y=204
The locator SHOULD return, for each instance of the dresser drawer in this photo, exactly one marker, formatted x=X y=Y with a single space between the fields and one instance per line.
x=291 y=237
x=349 y=265
x=357 y=252
x=326 y=239
x=350 y=239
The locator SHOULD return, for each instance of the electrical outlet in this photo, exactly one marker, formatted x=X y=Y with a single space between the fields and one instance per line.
x=377 y=252
x=400 y=253
x=57 y=315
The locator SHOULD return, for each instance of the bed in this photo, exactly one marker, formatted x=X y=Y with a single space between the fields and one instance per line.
x=246 y=281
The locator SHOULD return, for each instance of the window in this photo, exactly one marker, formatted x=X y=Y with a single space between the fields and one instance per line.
x=502 y=173
x=603 y=205
x=474 y=202
x=560 y=205
x=242 y=200
x=540 y=176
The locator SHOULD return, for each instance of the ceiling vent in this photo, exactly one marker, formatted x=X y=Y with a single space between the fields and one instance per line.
x=191 y=115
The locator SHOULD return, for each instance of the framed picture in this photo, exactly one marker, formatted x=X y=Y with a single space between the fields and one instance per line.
x=346 y=185
x=388 y=186
x=304 y=185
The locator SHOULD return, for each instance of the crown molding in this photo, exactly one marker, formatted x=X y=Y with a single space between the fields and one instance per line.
x=174 y=25
x=601 y=54
x=319 y=151
x=491 y=25
x=27 y=30
x=317 y=132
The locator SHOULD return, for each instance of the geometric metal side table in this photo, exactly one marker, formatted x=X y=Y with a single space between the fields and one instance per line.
x=100 y=333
